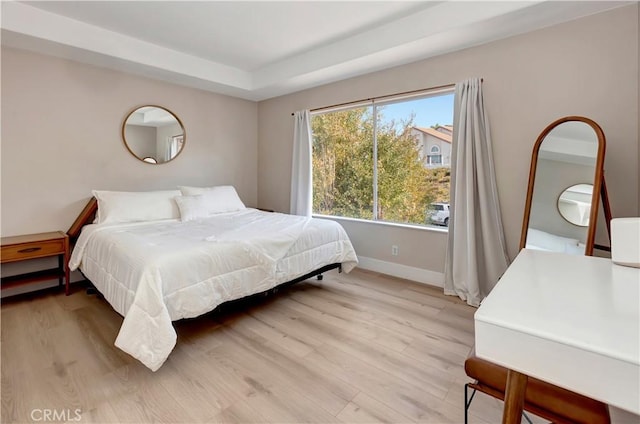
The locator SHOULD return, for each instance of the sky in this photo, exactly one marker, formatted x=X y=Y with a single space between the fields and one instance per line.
x=428 y=111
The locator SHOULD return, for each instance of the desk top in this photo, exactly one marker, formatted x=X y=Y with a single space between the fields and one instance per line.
x=555 y=316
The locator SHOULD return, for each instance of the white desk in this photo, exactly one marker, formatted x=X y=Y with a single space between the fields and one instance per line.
x=572 y=321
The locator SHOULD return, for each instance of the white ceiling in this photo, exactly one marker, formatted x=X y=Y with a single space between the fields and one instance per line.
x=262 y=49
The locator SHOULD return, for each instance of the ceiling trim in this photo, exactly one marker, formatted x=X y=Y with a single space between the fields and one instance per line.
x=438 y=28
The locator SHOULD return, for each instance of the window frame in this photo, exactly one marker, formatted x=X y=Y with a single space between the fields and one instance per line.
x=374 y=104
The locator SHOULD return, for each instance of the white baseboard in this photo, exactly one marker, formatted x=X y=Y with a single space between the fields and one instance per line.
x=419 y=275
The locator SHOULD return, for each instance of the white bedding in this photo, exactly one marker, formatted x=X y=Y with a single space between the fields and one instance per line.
x=157 y=272
x=541 y=240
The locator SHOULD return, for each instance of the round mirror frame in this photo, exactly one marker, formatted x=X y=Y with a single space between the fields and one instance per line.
x=562 y=212
x=597 y=182
x=147 y=159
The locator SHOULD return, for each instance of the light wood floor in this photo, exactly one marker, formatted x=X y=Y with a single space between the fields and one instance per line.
x=354 y=348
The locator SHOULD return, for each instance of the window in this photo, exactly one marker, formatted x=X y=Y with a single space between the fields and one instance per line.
x=435 y=158
x=383 y=161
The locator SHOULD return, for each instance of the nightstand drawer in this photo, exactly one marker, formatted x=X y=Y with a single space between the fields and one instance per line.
x=42 y=249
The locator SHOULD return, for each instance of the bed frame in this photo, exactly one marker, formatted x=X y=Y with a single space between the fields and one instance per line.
x=88 y=215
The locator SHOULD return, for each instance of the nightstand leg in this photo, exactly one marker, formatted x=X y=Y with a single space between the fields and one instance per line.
x=67 y=274
x=61 y=268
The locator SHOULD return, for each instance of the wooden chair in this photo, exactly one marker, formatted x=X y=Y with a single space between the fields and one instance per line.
x=543 y=399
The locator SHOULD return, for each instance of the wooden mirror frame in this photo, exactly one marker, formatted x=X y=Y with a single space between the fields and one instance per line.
x=598 y=182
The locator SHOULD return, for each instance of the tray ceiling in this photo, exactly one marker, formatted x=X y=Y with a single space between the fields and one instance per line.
x=264 y=49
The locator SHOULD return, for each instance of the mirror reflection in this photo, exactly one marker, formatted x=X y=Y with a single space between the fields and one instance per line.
x=566 y=158
x=149 y=159
x=153 y=134
x=574 y=204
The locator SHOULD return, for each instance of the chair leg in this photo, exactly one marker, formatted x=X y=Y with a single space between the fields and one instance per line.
x=466 y=405
x=467 y=402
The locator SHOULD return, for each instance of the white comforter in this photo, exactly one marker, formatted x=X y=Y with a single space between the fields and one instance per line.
x=154 y=273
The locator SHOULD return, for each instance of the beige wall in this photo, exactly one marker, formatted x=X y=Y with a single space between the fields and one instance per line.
x=585 y=67
x=61 y=123
x=61 y=128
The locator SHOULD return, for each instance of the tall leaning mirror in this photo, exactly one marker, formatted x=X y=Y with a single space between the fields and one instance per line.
x=153 y=134
x=565 y=182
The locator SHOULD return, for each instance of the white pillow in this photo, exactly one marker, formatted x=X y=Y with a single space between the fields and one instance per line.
x=572 y=249
x=226 y=197
x=194 y=191
x=192 y=207
x=546 y=241
x=212 y=201
x=129 y=206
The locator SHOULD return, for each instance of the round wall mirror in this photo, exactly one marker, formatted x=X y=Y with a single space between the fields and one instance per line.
x=153 y=134
x=574 y=204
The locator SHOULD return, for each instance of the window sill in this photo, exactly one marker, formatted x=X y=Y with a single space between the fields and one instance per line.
x=436 y=229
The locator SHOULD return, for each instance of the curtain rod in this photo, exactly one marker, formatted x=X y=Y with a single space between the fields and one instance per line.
x=383 y=97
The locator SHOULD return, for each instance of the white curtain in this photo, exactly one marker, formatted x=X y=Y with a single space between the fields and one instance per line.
x=301 y=176
x=171 y=149
x=476 y=252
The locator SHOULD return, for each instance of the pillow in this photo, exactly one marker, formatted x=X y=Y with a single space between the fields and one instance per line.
x=129 y=206
x=546 y=241
x=226 y=197
x=212 y=201
x=192 y=207
x=194 y=191
x=578 y=249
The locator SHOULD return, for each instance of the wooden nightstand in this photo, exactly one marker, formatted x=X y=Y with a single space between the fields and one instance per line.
x=33 y=246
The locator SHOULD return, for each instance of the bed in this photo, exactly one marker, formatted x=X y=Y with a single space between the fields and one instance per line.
x=542 y=240
x=155 y=271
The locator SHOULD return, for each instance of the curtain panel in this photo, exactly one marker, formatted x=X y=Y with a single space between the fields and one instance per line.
x=476 y=252
x=301 y=173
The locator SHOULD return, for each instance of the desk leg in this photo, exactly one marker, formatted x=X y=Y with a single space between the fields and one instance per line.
x=514 y=397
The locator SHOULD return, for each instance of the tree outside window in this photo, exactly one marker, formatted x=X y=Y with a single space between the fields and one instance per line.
x=383 y=162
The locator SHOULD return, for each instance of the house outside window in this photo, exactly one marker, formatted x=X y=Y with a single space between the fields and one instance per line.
x=383 y=161
x=436 y=141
